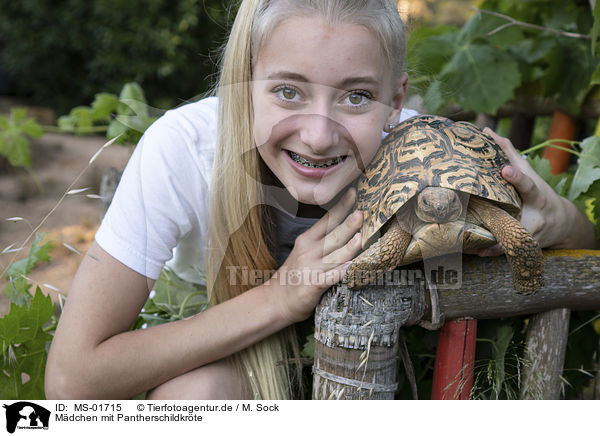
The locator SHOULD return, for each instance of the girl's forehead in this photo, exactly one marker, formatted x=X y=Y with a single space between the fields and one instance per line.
x=314 y=51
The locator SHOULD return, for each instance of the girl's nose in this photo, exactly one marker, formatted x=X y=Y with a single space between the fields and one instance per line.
x=318 y=132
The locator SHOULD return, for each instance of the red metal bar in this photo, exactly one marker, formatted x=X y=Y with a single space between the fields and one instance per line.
x=455 y=357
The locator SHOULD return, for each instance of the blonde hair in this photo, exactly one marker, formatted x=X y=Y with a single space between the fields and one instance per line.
x=239 y=232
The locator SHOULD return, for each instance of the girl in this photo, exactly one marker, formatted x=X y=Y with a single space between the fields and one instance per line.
x=306 y=89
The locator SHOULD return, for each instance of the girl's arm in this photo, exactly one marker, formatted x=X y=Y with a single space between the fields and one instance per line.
x=94 y=355
x=553 y=220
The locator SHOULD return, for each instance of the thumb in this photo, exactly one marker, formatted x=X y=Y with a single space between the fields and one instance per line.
x=522 y=183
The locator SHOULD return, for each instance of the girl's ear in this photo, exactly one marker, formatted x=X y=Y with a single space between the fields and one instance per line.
x=400 y=90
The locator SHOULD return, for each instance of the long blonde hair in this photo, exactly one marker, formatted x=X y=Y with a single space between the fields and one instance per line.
x=239 y=232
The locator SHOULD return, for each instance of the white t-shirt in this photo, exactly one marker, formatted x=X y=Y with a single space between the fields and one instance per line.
x=159 y=214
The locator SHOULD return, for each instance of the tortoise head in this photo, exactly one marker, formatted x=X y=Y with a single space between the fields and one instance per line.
x=438 y=205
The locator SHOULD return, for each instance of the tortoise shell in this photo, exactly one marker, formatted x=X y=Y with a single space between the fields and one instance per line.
x=432 y=151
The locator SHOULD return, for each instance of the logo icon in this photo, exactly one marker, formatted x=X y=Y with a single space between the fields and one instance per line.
x=26 y=415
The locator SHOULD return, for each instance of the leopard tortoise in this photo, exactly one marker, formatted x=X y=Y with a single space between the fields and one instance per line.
x=434 y=187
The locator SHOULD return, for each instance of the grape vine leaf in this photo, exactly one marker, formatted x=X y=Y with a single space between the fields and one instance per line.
x=479 y=77
x=14 y=132
x=172 y=299
x=559 y=182
x=24 y=345
x=588 y=168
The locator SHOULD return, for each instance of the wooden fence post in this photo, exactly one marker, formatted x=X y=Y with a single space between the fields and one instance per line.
x=547 y=332
x=356 y=340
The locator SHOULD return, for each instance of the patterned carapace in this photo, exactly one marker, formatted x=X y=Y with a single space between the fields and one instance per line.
x=432 y=151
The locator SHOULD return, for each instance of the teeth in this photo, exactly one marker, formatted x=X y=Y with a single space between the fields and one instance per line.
x=310 y=164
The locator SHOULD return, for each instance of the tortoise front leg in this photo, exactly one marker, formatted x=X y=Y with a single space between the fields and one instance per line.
x=383 y=255
x=522 y=250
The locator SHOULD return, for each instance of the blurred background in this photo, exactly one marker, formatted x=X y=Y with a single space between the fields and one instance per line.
x=67 y=67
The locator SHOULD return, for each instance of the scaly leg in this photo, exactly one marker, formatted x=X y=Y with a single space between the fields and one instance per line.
x=522 y=250
x=383 y=255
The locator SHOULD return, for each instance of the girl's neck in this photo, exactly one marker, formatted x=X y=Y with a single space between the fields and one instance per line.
x=289 y=204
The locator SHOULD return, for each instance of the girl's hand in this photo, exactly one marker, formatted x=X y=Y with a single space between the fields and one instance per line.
x=318 y=260
x=553 y=220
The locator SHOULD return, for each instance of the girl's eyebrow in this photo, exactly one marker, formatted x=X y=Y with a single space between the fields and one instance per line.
x=344 y=84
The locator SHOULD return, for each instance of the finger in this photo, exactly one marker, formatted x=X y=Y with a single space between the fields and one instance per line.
x=345 y=253
x=527 y=188
x=340 y=235
x=334 y=216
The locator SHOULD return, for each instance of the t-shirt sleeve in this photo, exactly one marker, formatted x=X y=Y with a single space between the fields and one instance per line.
x=157 y=200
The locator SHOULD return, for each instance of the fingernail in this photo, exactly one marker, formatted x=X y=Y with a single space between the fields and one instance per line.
x=509 y=172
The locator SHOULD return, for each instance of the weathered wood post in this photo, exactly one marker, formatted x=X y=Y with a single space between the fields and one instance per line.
x=547 y=332
x=356 y=340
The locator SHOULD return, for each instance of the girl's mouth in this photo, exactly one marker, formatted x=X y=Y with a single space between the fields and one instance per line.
x=313 y=163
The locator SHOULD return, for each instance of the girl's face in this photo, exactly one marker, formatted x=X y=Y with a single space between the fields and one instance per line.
x=321 y=97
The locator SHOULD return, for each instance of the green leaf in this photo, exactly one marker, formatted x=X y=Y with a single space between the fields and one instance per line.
x=481 y=25
x=500 y=347
x=16 y=148
x=308 y=350
x=480 y=77
x=588 y=168
x=15 y=132
x=31 y=128
x=173 y=299
x=104 y=106
x=564 y=83
x=17 y=288
x=24 y=345
x=542 y=167
x=134 y=101
x=429 y=51
x=434 y=98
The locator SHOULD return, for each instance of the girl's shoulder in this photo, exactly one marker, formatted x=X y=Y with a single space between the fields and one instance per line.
x=183 y=136
x=194 y=122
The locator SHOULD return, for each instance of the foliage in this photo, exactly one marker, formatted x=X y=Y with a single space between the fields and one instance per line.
x=581 y=185
x=81 y=48
x=15 y=131
x=24 y=337
x=25 y=330
x=490 y=59
x=24 y=345
x=17 y=289
x=171 y=299
x=126 y=116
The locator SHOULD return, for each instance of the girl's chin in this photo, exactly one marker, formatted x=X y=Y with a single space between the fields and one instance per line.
x=324 y=199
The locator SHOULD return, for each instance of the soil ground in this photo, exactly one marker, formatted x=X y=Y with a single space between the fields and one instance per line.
x=58 y=159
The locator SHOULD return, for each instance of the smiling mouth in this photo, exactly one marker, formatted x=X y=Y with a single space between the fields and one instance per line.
x=314 y=164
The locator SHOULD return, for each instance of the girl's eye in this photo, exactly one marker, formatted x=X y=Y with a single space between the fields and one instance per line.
x=286 y=94
x=358 y=98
